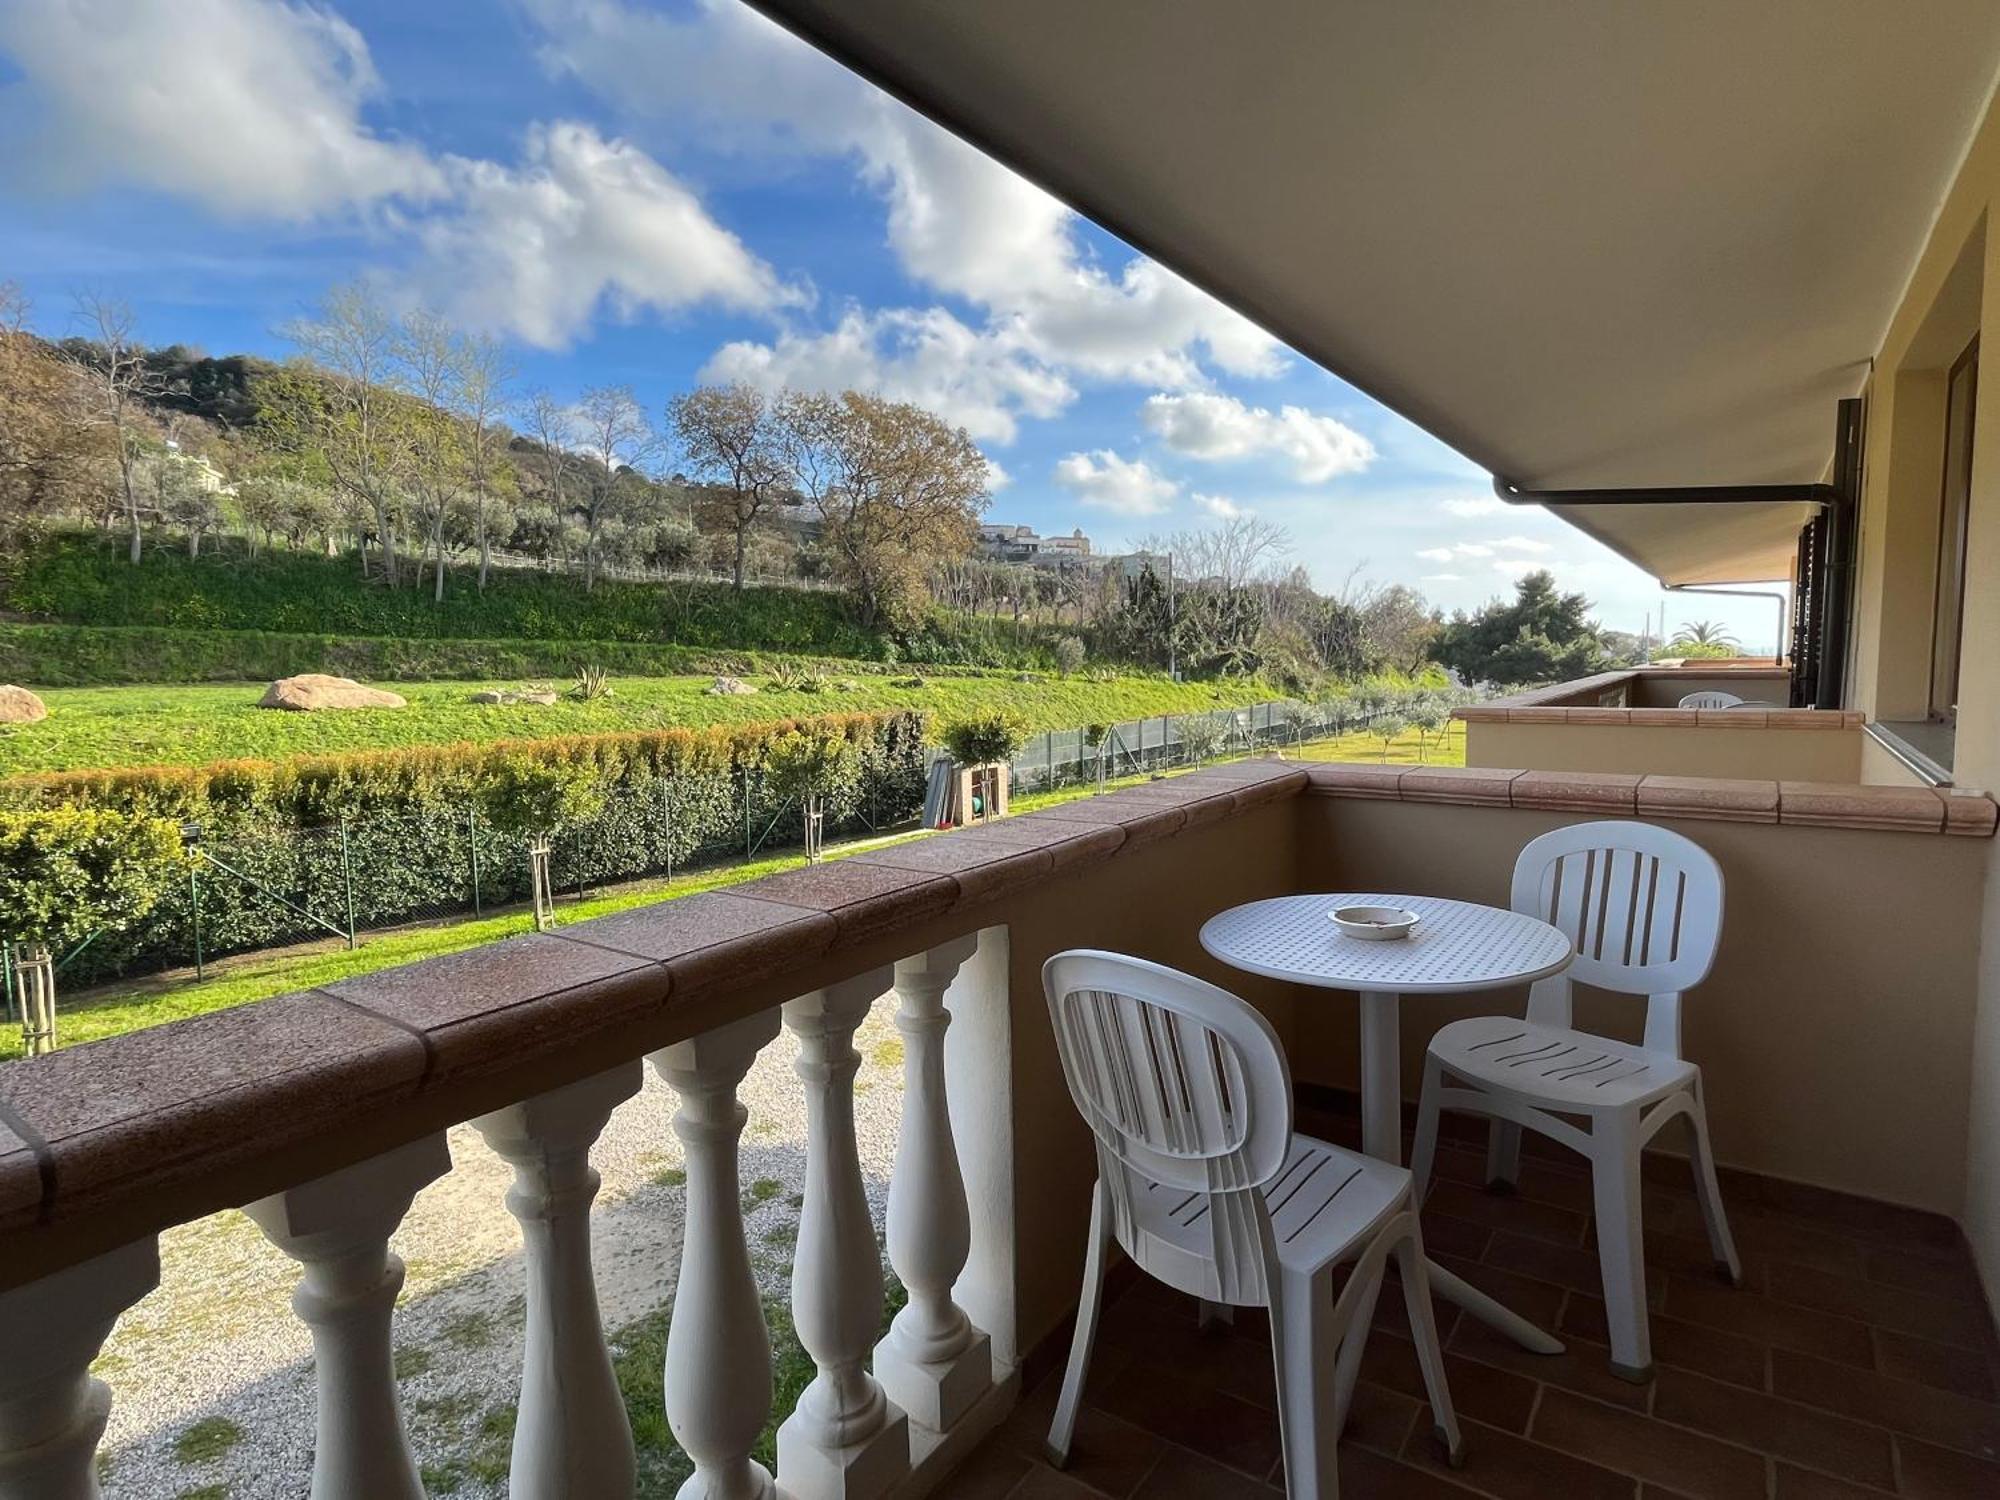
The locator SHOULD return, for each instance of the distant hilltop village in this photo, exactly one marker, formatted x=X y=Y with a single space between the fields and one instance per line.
x=1021 y=544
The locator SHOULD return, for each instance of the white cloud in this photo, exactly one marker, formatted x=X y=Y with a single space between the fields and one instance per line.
x=957 y=221
x=1460 y=550
x=1515 y=567
x=1213 y=427
x=248 y=107
x=1125 y=487
x=254 y=109
x=997 y=478
x=1442 y=578
x=1474 y=506
x=582 y=223
x=1221 y=507
x=979 y=380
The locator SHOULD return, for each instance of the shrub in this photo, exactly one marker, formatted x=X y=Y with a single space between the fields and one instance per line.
x=1068 y=654
x=592 y=683
x=986 y=738
x=404 y=829
x=71 y=873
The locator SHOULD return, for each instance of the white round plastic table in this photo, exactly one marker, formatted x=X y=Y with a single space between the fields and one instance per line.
x=1455 y=946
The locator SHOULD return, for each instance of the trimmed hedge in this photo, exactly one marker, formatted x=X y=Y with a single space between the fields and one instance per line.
x=76 y=578
x=400 y=832
x=57 y=656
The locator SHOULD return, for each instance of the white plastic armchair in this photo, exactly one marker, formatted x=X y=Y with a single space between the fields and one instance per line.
x=1643 y=906
x=1711 y=699
x=1203 y=1182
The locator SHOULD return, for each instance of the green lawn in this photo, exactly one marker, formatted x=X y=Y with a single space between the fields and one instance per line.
x=89 y=728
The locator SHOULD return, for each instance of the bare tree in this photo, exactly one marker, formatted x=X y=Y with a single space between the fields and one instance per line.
x=613 y=431
x=553 y=426
x=429 y=361
x=728 y=436
x=347 y=410
x=484 y=373
x=1241 y=551
x=114 y=370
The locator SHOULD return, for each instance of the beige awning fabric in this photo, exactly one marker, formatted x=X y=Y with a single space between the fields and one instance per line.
x=1588 y=245
x=1694 y=544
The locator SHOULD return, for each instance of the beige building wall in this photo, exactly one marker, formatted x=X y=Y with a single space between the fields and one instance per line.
x=1954 y=293
x=1761 y=754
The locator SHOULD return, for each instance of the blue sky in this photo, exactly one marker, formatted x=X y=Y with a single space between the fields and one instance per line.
x=658 y=192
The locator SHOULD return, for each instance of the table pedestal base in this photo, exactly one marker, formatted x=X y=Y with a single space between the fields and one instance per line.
x=1382 y=1138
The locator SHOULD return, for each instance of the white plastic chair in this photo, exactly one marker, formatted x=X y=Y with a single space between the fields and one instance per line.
x=1644 y=907
x=1711 y=699
x=1202 y=1181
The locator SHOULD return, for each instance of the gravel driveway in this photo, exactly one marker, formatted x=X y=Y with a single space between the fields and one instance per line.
x=212 y=1374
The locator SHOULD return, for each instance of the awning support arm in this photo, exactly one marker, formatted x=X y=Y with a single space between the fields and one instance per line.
x=1714 y=494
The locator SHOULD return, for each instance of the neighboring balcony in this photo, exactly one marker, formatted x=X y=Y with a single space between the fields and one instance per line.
x=1632 y=722
x=1834 y=1036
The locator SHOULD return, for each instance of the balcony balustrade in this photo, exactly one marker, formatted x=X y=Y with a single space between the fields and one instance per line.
x=323 y=1113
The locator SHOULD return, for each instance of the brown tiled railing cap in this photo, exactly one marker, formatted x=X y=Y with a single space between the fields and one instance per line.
x=1807 y=804
x=102 y=1135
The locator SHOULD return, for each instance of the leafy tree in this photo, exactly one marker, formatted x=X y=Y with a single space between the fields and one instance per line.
x=69 y=874
x=1388 y=728
x=1540 y=636
x=986 y=739
x=809 y=766
x=898 y=490
x=50 y=449
x=731 y=438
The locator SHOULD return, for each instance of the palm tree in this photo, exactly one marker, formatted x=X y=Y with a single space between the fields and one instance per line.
x=1705 y=633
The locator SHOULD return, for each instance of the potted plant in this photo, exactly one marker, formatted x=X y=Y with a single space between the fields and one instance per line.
x=980 y=748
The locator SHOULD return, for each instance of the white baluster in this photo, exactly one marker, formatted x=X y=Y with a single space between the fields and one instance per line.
x=934 y=1363
x=845 y=1440
x=571 y=1437
x=52 y=1412
x=718 y=1367
x=337 y=1228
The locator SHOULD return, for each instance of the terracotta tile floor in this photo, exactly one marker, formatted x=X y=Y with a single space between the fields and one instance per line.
x=1857 y=1360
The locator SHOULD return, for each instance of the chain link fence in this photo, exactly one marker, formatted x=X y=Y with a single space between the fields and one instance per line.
x=342 y=881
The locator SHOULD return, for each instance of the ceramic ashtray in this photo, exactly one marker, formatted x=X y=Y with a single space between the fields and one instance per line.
x=1373 y=924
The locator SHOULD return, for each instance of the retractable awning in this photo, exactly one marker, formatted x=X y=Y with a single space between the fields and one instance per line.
x=1588 y=245
x=1698 y=543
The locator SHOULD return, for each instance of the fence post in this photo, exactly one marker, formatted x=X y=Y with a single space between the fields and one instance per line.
x=472 y=853
x=194 y=898
x=7 y=976
x=347 y=882
x=748 y=850
x=667 y=812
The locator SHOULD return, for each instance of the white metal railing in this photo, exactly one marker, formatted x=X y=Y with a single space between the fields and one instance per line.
x=873 y=1422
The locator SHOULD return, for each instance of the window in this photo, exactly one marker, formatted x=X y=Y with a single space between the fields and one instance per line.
x=1948 y=617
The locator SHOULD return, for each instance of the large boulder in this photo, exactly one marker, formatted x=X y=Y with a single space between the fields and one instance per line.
x=730 y=687
x=19 y=706
x=311 y=691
